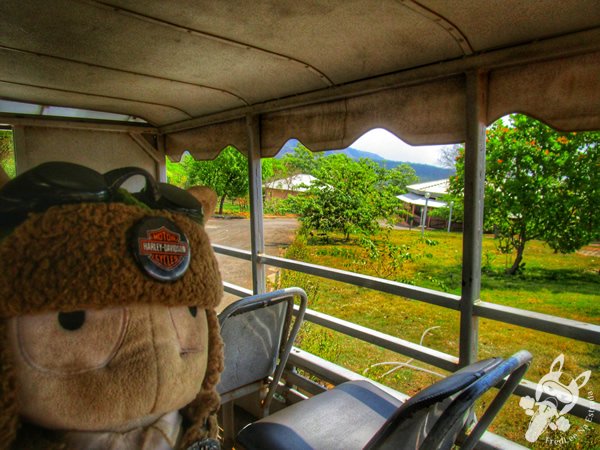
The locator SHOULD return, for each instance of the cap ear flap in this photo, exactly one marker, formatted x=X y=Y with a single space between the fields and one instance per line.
x=9 y=416
x=207 y=197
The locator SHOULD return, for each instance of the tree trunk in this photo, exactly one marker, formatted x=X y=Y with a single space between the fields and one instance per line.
x=221 y=204
x=515 y=267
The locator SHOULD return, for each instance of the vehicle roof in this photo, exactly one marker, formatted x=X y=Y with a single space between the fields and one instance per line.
x=325 y=71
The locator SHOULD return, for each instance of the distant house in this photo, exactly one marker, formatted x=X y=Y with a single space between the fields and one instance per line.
x=283 y=188
x=425 y=193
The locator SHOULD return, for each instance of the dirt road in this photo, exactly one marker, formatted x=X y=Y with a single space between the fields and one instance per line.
x=279 y=233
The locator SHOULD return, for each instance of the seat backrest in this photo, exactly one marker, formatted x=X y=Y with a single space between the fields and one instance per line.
x=252 y=343
x=258 y=338
x=435 y=417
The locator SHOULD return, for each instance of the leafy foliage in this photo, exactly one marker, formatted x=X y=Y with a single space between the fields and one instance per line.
x=540 y=184
x=227 y=174
x=301 y=160
x=557 y=284
x=349 y=196
x=449 y=155
x=176 y=172
x=7 y=157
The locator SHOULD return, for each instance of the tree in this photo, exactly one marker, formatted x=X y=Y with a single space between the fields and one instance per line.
x=272 y=169
x=449 y=155
x=302 y=160
x=540 y=184
x=177 y=173
x=349 y=196
x=7 y=158
x=227 y=174
x=393 y=182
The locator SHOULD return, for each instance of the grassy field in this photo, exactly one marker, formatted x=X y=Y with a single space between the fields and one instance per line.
x=562 y=285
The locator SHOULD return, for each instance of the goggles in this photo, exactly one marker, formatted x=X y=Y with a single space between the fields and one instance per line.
x=59 y=183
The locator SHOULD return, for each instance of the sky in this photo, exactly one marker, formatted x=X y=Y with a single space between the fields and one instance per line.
x=390 y=147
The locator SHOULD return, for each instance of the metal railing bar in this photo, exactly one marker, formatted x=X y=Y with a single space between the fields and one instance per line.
x=584 y=408
x=559 y=326
x=391 y=287
x=333 y=373
x=234 y=289
x=231 y=251
x=401 y=346
x=295 y=379
x=573 y=329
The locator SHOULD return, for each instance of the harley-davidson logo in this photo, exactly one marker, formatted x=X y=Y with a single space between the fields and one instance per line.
x=160 y=248
x=164 y=247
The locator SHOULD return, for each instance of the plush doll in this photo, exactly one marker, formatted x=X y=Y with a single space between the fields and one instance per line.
x=107 y=309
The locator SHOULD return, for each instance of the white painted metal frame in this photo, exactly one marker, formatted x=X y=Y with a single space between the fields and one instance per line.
x=473 y=221
x=257 y=237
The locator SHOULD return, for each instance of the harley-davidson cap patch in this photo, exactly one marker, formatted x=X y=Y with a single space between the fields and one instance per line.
x=161 y=249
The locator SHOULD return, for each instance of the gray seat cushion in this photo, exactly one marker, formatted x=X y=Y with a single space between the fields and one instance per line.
x=297 y=427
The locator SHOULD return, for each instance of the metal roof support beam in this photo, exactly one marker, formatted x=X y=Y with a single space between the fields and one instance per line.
x=155 y=154
x=543 y=50
x=162 y=164
x=146 y=147
x=256 y=205
x=476 y=95
x=77 y=124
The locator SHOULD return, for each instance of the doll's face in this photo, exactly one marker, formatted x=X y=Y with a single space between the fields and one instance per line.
x=108 y=369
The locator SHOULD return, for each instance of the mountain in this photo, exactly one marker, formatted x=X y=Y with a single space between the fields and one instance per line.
x=425 y=172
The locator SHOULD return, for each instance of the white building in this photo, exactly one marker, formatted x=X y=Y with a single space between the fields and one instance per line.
x=288 y=186
x=422 y=194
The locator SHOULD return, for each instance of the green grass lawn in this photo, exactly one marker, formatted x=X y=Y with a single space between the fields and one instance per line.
x=562 y=285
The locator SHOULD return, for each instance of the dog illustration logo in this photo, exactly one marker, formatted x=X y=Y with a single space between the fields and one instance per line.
x=553 y=400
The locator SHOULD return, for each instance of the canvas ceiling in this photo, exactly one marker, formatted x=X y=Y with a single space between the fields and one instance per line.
x=322 y=71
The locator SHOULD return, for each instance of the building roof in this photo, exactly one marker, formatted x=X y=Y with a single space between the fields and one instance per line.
x=416 y=199
x=297 y=183
x=435 y=188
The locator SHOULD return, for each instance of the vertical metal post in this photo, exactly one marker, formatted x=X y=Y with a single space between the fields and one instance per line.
x=256 y=204
x=20 y=148
x=161 y=167
x=450 y=218
x=424 y=218
x=473 y=218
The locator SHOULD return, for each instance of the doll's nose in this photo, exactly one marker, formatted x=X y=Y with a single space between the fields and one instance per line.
x=178 y=340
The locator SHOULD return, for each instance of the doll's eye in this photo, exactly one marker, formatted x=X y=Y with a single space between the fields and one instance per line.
x=71 y=321
x=71 y=342
x=191 y=328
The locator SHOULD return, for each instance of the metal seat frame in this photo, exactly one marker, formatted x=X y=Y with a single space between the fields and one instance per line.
x=435 y=418
x=285 y=334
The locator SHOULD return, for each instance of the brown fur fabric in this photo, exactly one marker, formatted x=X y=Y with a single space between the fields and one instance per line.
x=8 y=406
x=207 y=197
x=75 y=257
x=202 y=412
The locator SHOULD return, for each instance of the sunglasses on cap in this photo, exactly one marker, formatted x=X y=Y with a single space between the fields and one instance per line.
x=59 y=183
